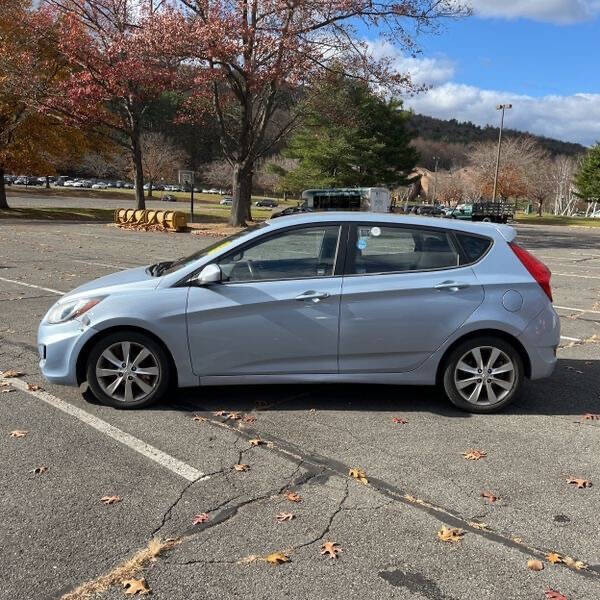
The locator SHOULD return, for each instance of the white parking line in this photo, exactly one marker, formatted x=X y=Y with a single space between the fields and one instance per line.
x=578 y=276
x=570 y=339
x=581 y=310
x=158 y=456
x=31 y=285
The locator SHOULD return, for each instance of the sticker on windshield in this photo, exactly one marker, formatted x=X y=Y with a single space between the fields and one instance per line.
x=361 y=244
x=375 y=231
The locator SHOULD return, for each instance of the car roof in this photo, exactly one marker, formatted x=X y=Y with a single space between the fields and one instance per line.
x=491 y=229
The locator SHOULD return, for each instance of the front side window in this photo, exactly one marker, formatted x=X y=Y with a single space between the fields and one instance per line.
x=302 y=253
x=379 y=249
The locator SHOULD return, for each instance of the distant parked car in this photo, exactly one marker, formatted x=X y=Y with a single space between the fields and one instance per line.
x=267 y=203
x=227 y=201
x=99 y=186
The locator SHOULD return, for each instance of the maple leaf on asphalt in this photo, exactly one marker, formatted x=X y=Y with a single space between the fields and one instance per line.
x=283 y=516
x=332 y=549
x=580 y=483
x=241 y=467
x=256 y=442
x=40 y=470
x=399 y=421
x=201 y=518
x=591 y=417
x=292 y=496
x=34 y=387
x=198 y=418
x=554 y=557
x=489 y=497
x=474 y=454
x=554 y=595
x=450 y=534
x=11 y=373
x=574 y=564
x=110 y=500
x=234 y=416
x=18 y=433
x=276 y=558
x=249 y=419
x=359 y=475
x=135 y=586
x=535 y=565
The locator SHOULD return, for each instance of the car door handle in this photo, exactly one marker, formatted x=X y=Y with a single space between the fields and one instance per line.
x=451 y=286
x=312 y=295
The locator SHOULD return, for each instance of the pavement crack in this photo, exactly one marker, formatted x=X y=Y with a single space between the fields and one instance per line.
x=167 y=514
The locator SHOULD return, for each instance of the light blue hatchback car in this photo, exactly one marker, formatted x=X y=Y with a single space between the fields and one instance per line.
x=316 y=298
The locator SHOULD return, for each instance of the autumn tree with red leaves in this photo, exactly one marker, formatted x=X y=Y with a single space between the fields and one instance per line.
x=266 y=51
x=118 y=71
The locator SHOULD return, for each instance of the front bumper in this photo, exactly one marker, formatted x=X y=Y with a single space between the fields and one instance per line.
x=541 y=339
x=59 y=346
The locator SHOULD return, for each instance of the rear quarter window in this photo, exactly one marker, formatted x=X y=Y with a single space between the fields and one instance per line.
x=474 y=246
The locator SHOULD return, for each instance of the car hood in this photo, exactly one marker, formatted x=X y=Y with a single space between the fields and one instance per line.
x=122 y=281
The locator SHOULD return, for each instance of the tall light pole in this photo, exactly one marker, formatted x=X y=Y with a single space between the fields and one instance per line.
x=436 y=158
x=502 y=107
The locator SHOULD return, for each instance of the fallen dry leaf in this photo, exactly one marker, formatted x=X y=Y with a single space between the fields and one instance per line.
x=450 y=534
x=241 y=467
x=489 y=497
x=13 y=373
x=293 y=496
x=220 y=413
x=283 y=516
x=198 y=418
x=359 y=475
x=591 y=417
x=580 y=483
x=34 y=387
x=574 y=564
x=249 y=419
x=554 y=558
x=233 y=416
x=135 y=586
x=110 y=499
x=332 y=549
x=554 y=595
x=535 y=565
x=7 y=390
x=474 y=454
x=256 y=442
x=276 y=558
x=478 y=525
x=17 y=433
x=399 y=421
x=40 y=470
x=201 y=518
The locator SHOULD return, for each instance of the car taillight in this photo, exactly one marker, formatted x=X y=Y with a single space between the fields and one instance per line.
x=539 y=271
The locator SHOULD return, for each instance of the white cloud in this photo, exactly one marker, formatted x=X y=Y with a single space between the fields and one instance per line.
x=573 y=118
x=562 y=12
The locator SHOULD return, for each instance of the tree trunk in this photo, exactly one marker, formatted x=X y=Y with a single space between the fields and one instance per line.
x=242 y=186
x=150 y=189
x=540 y=208
x=136 y=152
x=47 y=182
x=3 y=202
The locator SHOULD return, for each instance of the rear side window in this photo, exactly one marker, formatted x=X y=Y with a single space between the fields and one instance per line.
x=474 y=246
x=380 y=249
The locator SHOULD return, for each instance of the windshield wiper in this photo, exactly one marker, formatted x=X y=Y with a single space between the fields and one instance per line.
x=159 y=268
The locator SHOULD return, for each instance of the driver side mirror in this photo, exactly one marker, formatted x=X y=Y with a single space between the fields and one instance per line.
x=210 y=274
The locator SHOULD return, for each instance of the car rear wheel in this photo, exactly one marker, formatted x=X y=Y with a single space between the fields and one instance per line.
x=128 y=370
x=483 y=375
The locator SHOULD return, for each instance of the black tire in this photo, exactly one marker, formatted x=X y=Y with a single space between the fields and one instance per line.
x=485 y=342
x=160 y=385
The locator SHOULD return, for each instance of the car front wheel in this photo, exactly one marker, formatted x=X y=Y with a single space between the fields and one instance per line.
x=483 y=375
x=128 y=370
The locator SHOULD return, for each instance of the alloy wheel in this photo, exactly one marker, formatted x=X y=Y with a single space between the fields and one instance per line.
x=127 y=371
x=484 y=376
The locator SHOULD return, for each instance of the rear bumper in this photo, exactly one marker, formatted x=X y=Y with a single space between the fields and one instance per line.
x=59 y=346
x=541 y=339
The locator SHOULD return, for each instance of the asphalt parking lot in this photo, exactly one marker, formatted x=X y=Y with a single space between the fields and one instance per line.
x=168 y=467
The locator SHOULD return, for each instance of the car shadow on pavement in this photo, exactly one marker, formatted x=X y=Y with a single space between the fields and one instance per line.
x=572 y=390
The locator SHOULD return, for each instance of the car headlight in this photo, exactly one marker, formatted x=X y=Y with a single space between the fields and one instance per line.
x=71 y=309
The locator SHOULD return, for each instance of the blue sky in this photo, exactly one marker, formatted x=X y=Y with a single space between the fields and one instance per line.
x=541 y=55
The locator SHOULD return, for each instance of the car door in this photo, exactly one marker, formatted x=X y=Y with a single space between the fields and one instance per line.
x=404 y=294
x=277 y=310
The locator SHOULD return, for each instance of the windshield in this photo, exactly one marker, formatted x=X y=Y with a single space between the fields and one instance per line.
x=211 y=249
